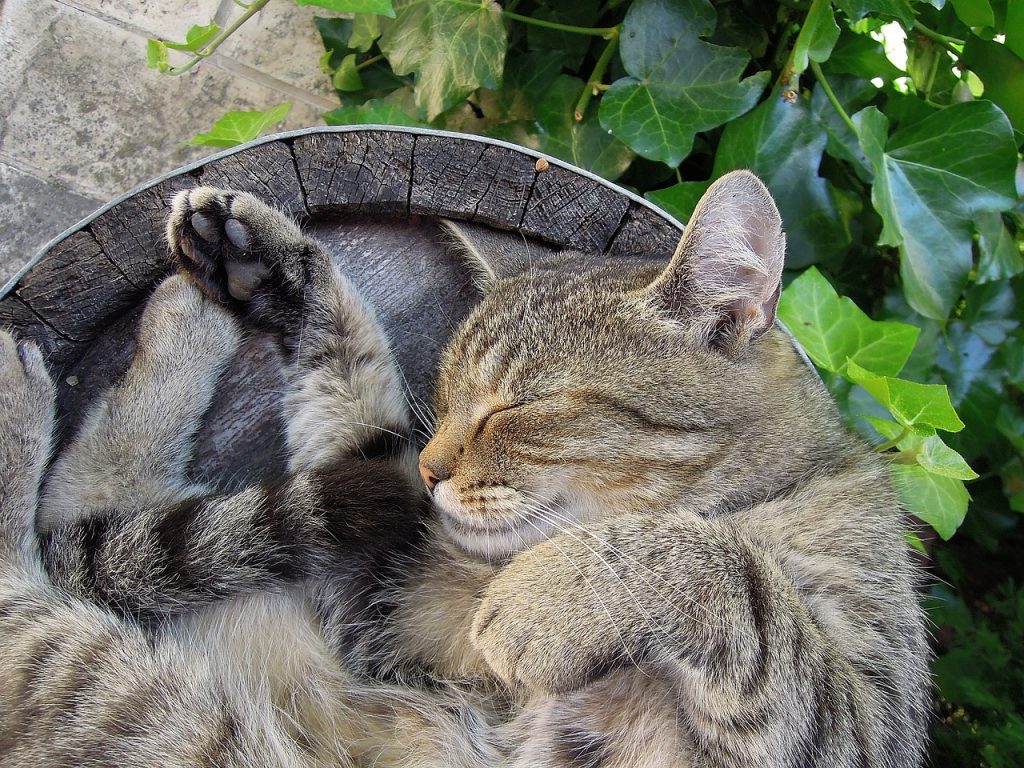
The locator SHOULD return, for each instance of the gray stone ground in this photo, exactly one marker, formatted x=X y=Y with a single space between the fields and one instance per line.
x=83 y=121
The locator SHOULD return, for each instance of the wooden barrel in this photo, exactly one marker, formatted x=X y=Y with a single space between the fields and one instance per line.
x=372 y=196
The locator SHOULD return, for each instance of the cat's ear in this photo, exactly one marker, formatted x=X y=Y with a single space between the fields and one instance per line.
x=725 y=277
x=490 y=254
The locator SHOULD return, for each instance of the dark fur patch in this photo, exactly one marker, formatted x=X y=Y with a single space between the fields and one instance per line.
x=580 y=749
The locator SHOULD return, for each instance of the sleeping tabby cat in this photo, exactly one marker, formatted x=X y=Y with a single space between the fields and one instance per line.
x=650 y=540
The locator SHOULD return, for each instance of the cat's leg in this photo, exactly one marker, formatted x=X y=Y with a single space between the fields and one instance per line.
x=77 y=686
x=349 y=495
x=780 y=656
x=135 y=443
x=345 y=394
x=26 y=430
x=348 y=425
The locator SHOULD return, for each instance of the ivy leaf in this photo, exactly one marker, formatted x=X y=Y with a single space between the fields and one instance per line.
x=939 y=459
x=571 y=48
x=156 y=55
x=922 y=407
x=557 y=132
x=974 y=13
x=892 y=9
x=937 y=500
x=930 y=452
x=817 y=38
x=999 y=255
x=861 y=55
x=379 y=7
x=1002 y=71
x=782 y=143
x=239 y=127
x=453 y=47
x=931 y=179
x=678 y=84
x=365 y=31
x=196 y=38
x=833 y=330
x=346 y=76
x=373 y=112
x=853 y=94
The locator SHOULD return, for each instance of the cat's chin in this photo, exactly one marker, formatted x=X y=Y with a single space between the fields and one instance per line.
x=495 y=541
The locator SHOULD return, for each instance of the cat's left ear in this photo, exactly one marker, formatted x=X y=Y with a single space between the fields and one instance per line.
x=725 y=278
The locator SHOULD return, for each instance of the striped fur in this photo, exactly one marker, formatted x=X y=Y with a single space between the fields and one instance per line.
x=654 y=544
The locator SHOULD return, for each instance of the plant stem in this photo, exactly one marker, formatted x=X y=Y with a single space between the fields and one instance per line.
x=945 y=41
x=370 y=61
x=823 y=82
x=595 y=77
x=892 y=443
x=250 y=10
x=789 y=71
x=606 y=32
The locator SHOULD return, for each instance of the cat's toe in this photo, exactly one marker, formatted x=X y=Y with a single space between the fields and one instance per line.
x=234 y=245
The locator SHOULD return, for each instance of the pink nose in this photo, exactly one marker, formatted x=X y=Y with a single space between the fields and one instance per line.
x=433 y=474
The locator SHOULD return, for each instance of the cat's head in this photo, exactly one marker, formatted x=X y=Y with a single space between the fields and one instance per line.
x=571 y=393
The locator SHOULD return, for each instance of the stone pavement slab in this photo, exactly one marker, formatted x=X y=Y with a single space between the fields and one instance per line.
x=33 y=211
x=82 y=120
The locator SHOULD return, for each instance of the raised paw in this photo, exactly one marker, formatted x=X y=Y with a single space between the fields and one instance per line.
x=244 y=254
x=26 y=419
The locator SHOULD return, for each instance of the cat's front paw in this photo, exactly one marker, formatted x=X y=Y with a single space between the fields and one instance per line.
x=243 y=253
x=544 y=625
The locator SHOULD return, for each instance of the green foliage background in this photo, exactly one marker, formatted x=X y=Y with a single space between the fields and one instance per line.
x=900 y=188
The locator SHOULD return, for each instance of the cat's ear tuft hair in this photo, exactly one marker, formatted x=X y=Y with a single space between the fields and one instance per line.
x=489 y=254
x=725 y=278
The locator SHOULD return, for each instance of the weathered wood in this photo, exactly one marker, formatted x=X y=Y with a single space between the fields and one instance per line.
x=464 y=179
x=267 y=171
x=131 y=233
x=60 y=353
x=573 y=210
x=644 y=234
x=76 y=289
x=352 y=172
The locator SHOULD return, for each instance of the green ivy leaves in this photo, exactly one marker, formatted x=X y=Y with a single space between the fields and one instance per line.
x=678 y=84
x=452 y=47
x=239 y=127
x=834 y=331
x=841 y=339
x=931 y=179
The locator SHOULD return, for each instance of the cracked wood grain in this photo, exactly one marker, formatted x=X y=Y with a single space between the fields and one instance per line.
x=362 y=171
x=572 y=210
x=76 y=289
x=645 y=234
x=463 y=179
x=267 y=171
x=131 y=233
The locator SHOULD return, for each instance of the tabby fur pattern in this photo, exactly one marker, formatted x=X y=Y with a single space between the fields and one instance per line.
x=646 y=538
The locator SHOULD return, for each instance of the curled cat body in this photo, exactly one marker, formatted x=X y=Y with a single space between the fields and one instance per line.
x=639 y=535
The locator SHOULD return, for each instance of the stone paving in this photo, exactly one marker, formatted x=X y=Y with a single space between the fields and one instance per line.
x=82 y=120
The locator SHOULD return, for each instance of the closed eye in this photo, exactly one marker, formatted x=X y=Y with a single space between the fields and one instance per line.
x=487 y=417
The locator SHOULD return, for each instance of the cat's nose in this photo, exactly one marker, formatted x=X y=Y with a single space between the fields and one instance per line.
x=433 y=473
